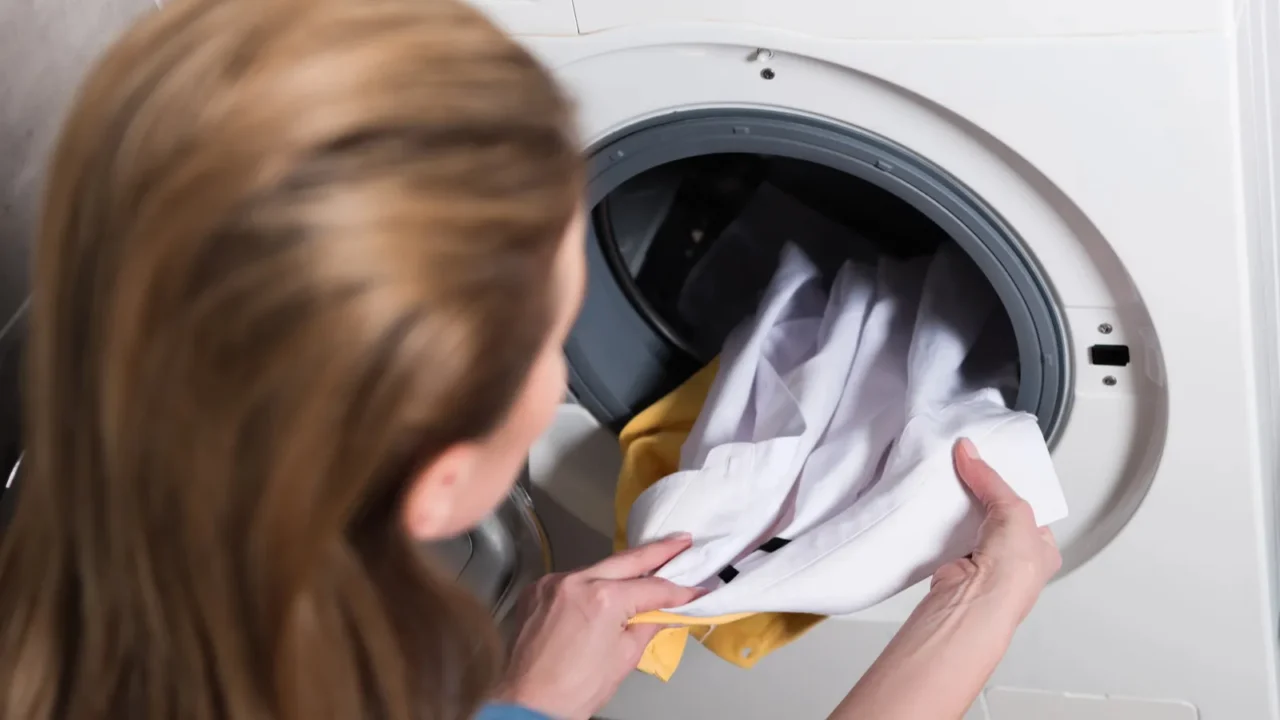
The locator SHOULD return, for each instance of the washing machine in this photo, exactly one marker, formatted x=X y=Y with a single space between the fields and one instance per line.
x=1108 y=166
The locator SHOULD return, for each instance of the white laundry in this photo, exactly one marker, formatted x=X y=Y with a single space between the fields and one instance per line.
x=831 y=424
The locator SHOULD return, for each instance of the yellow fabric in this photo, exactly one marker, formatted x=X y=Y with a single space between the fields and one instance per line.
x=662 y=617
x=651 y=451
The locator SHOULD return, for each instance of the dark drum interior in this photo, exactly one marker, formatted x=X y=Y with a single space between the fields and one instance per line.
x=12 y=339
x=694 y=242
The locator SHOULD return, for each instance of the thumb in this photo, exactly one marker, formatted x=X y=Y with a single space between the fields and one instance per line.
x=985 y=483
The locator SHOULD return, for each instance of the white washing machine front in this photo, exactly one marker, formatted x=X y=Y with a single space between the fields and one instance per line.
x=901 y=20
x=1110 y=165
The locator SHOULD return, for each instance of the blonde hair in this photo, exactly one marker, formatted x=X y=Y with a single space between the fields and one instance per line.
x=290 y=251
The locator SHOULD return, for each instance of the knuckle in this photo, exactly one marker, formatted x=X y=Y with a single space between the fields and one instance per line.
x=600 y=595
x=1053 y=559
x=1018 y=510
x=569 y=585
x=544 y=584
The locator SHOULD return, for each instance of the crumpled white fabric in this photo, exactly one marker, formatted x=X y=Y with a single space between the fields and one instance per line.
x=831 y=424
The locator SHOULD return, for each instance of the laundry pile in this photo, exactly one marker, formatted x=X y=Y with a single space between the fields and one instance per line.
x=812 y=461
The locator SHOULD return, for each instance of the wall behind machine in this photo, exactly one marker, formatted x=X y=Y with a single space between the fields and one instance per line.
x=46 y=46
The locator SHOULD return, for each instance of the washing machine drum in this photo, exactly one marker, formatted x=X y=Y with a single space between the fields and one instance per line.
x=690 y=213
x=502 y=556
x=12 y=336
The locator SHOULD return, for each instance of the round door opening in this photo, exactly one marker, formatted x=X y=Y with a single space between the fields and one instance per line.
x=690 y=214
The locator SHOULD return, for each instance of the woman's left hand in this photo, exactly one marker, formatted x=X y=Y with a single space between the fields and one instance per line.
x=575 y=646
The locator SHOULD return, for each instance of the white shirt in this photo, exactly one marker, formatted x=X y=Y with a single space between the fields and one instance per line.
x=831 y=424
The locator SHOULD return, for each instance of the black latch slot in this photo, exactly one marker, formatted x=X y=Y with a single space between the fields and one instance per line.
x=1111 y=355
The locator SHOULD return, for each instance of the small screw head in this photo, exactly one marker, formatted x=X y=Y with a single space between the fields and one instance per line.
x=768 y=74
x=1109 y=381
x=1105 y=328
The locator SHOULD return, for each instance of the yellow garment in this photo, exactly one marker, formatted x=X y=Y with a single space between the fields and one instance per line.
x=651 y=451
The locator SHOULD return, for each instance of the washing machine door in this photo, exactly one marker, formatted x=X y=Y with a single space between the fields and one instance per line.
x=502 y=556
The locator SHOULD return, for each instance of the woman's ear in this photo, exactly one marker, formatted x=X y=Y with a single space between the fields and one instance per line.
x=431 y=508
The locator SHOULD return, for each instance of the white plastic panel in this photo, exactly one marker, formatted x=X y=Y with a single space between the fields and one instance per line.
x=577 y=463
x=1016 y=704
x=919 y=19
x=531 y=17
x=1257 y=43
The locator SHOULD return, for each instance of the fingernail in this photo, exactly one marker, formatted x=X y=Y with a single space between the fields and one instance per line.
x=680 y=537
x=967 y=449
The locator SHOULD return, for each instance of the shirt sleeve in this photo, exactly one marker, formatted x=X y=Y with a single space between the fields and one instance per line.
x=509 y=712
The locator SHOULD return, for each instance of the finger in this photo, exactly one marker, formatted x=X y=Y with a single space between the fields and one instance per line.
x=640 y=561
x=640 y=595
x=985 y=483
x=642 y=634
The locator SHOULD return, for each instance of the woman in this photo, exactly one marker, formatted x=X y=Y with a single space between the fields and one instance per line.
x=304 y=272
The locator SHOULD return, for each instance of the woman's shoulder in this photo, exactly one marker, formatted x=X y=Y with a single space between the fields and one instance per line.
x=509 y=712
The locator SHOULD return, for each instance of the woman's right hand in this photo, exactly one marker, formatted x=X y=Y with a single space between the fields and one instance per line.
x=943 y=655
x=1014 y=559
x=575 y=646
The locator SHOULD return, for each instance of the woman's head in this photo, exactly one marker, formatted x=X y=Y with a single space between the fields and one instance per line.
x=304 y=271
